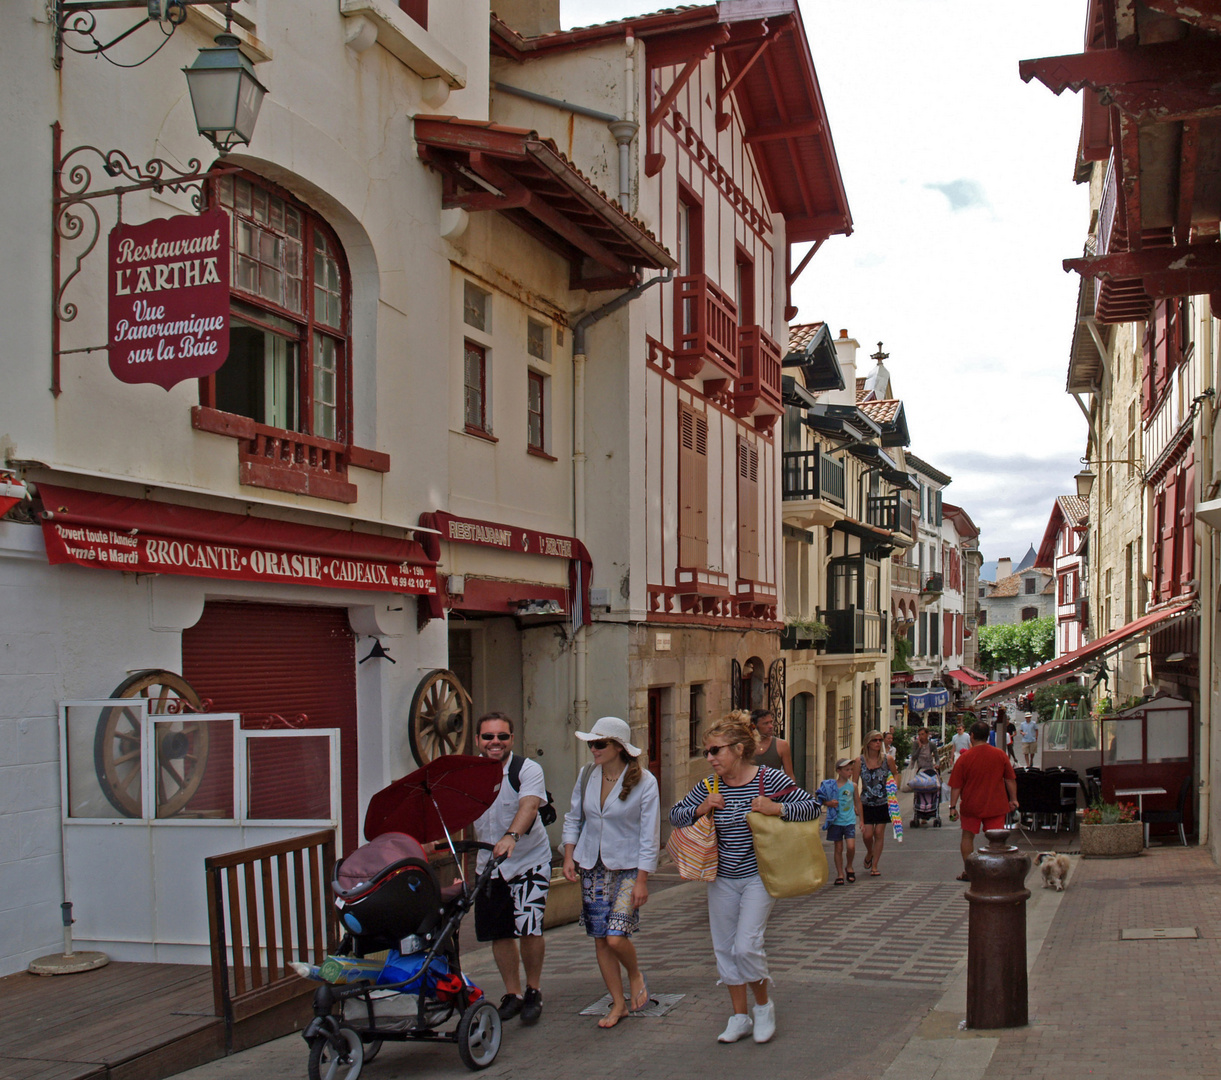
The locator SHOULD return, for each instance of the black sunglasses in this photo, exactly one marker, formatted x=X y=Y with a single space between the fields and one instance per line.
x=712 y=751
x=498 y=736
x=599 y=744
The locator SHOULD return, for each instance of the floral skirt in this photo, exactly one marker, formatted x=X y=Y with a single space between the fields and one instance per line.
x=606 y=902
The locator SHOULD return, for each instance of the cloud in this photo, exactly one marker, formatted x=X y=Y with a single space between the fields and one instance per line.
x=962 y=194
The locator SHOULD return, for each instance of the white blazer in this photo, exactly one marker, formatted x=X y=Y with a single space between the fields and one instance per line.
x=625 y=833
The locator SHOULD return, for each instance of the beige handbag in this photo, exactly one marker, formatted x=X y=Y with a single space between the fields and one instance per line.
x=790 y=854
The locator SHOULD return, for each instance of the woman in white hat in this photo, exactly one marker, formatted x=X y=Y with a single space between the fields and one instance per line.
x=612 y=834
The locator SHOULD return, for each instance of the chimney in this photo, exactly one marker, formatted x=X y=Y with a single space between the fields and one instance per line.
x=845 y=351
x=1004 y=567
x=530 y=18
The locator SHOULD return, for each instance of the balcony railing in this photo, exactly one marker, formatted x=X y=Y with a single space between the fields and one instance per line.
x=933 y=583
x=905 y=578
x=759 y=381
x=1107 y=208
x=705 y=327
x=811 y=474
x=853 y=630
x=890 y=512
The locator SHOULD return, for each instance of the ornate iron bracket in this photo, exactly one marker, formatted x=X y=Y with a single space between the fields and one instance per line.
x=76 y=219
x=77 y=20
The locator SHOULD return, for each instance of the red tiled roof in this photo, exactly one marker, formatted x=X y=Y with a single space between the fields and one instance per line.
x=1013 y=584
x=880 y=412
x=1074 y=508
x=801 y=334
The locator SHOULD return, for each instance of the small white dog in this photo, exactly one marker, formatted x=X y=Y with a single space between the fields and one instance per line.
x=1054 y=868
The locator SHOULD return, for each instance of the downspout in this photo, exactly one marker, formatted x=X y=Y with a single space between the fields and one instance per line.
x=1208 y=609
x=580 y=649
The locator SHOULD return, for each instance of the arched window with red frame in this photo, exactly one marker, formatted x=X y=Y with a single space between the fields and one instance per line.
x=289 y=333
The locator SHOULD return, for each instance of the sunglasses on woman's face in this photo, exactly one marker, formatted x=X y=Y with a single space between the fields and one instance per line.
x=712 y=751
x=599 y=744
x=496 y=736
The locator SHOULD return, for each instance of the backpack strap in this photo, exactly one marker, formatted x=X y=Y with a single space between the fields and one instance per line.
x=514 y=773
x=586 y=772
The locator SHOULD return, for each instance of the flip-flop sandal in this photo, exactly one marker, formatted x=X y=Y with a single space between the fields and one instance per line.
x=838 y=881
x=632 y=1006
x=851 y=876
x=868 y=861
x=962 y=877
x=875 y=873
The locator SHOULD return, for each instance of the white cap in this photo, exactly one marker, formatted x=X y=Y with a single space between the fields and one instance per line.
x=611 y=727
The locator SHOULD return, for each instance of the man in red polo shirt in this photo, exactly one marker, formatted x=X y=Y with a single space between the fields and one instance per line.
x=983 y=778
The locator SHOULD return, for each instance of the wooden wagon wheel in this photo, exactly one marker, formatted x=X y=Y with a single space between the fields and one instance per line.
x=182 y=750
x=440 y=718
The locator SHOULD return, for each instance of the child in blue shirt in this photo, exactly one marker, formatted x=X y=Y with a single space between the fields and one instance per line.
x=843 y=812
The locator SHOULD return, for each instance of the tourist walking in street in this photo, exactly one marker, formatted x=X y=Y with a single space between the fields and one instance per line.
x=961 y=742
x=984 y=784
x=612 y=834
x=772 y=752
x=844 y=813
x=511 y=912
x=888 y=744
x=738 y=903
x=1030 y=739
x=869 y=774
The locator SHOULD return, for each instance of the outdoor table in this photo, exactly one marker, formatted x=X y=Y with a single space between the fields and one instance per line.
x=1140 y=793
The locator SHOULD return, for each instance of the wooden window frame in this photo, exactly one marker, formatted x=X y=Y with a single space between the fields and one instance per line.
x=749 y=555
x=692 y=487
x=482 y=427
x=695 y=718
x=297 y=460
x=538 y=449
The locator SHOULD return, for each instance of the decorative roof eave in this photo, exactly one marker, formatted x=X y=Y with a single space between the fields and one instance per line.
x=842 y=422
x=923 y=467
x=967 y=529
x=1085 y=358
x=511 y=170
x=819 y=362
x=1046 y=558
x=1183 y=270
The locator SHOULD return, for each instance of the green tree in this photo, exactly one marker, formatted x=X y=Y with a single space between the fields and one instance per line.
x=1013 y=647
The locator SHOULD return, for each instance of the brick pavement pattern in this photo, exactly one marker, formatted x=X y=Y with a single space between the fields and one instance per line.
x=1104 y=1007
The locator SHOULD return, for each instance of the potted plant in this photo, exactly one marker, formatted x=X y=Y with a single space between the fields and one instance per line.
x=803 y=633
x=1111 y=831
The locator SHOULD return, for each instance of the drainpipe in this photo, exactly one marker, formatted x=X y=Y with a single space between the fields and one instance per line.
x=624 y=130
x=580 y=704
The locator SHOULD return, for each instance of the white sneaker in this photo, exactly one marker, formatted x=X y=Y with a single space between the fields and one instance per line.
x=739 y=1027
x=765 y=1021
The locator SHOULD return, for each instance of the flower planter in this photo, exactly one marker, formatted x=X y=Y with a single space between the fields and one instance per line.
x=1119 y=841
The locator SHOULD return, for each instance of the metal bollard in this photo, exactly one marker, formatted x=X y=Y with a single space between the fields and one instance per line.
x=996 y=943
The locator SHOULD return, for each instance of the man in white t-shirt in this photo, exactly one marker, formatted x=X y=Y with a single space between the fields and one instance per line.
x=512 y=912
x=960 y=742
x=1030 y=739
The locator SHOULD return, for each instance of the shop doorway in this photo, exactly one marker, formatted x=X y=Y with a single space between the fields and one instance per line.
x=800 y=710
x=282 y=668
x=658 y=700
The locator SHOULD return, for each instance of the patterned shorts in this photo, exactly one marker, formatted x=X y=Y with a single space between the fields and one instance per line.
x=606 y=902
x=513 y=908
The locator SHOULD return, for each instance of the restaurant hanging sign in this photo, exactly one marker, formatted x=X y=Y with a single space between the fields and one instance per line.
x=139 y=536
x=168 y=286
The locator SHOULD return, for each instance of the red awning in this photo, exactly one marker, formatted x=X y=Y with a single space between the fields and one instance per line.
x=963 y=676
x=114 y=532
x=1073 y=661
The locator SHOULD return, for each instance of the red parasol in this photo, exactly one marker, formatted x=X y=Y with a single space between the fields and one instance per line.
x=449 y=792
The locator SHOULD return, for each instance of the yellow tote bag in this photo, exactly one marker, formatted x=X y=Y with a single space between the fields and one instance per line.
x=790 y=854
x=693 y=847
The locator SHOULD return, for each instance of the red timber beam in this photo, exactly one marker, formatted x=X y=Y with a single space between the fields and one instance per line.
x=1189 y=155
x=1186 y=270
x=689 y=49
x=1174 y=80
x=769 y=37
x=1206 y=14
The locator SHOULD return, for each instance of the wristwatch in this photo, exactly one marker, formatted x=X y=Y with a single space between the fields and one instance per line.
x=516 y=836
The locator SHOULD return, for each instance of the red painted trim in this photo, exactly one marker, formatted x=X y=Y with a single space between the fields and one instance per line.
x=494 y=597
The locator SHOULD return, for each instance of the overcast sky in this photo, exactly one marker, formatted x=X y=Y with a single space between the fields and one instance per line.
x=959 y=178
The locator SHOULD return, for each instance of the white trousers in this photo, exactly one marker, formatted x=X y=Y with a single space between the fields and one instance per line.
x=737 y=916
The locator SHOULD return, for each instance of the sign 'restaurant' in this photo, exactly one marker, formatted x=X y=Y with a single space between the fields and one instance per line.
x=168 y=286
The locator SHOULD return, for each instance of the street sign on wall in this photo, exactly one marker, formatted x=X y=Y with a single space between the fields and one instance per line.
x=168 y=289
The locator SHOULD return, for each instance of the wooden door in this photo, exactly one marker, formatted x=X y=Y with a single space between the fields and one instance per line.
x=656 y=701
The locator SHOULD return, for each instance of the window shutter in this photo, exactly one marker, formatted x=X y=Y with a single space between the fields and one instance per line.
x=692 y=487
x=1185 y=551
x=1165 y=541
x=748 y=510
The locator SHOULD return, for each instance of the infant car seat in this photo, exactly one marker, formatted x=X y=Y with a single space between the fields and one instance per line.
x=387 y=891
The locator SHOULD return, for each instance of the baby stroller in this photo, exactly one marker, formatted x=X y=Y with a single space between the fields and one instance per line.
x=396 y=975
x=926 y=798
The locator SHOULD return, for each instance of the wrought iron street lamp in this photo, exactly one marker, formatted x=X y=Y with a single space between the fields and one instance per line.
x=225 y=94
x=1085 y=483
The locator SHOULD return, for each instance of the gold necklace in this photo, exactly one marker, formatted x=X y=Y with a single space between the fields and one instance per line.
x=611 y=779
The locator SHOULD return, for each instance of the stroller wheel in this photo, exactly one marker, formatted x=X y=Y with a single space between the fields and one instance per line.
x=936 y=823
x=478 y=1035
x=338 y=1057
x=372 y=1048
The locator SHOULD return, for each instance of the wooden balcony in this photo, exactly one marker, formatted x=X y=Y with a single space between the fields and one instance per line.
x=290 y=461
x=933 y=583
x=705 y=328
x=758 y=389
x=904 y=578
x=853 y=630
x=891 y=512
x=813 y=488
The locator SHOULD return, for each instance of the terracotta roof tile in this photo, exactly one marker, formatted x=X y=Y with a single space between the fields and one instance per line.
x=1074 y=508
x=881 y=412
x=801 y=334
x=1013 y=584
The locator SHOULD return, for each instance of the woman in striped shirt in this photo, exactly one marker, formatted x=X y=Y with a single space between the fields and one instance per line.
x=738 y=903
